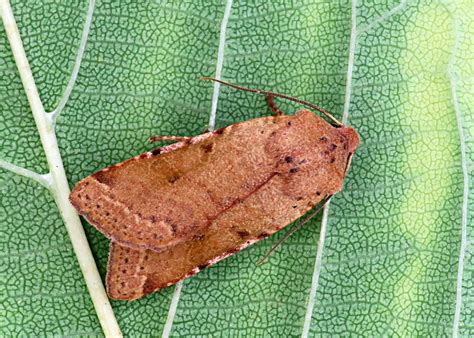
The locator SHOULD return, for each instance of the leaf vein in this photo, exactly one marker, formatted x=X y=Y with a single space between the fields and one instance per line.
x=43 y=179
x=324 y=222
x=465 y=171
x=212 y=120
x=77 y=64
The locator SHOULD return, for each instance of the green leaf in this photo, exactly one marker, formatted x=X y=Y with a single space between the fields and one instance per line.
x=394 y=256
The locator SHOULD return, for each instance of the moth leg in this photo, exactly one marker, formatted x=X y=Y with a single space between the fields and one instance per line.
x=267 y=93
x=295 y=229
x=276 y=111
x=348 y=163
x=153 y=139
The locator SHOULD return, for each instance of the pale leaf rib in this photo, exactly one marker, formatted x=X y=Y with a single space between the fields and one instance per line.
x=77 y=64
x=220 y=62
x=316 y=273
x=465 y=171
x=350 y=63
x=44 y=180
x=324 y=223
x=212 y=122
x=172 y=310
x=383 y=17
x=60 y=187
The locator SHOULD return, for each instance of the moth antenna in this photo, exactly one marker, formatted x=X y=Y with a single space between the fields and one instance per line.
x=293 y=230
x=272 y=94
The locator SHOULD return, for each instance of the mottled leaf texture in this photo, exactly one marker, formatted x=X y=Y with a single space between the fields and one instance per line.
x=395 y=253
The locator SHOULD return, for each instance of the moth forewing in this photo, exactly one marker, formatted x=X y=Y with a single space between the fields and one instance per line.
x=178 y=209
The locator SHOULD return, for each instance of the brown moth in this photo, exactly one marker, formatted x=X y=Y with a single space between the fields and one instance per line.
x=175 y=210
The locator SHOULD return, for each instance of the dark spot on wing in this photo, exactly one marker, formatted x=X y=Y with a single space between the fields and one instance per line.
x=203 y=266
x=174 y=229
x=173 y=178
x=148 y=286
x=199 y=237
x=243 y=233
x=104 y=178
x=207 y=148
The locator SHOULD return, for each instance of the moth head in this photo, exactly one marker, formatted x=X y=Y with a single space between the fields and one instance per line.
x=352 y=138
x=352 y=143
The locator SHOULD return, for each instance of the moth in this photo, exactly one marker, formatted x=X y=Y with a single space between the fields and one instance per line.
x=175 y=210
